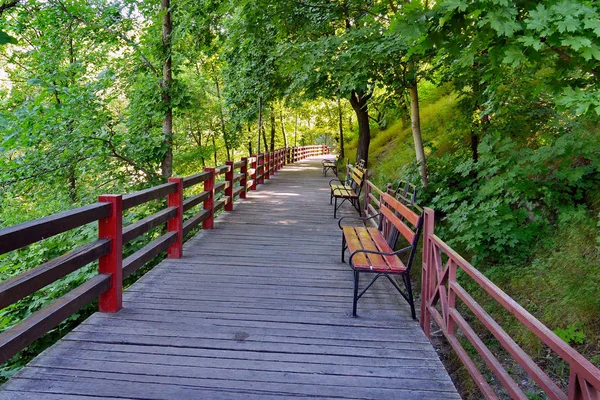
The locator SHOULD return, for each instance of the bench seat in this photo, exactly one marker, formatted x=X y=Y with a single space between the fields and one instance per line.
x=359 y=238
x=345 y=192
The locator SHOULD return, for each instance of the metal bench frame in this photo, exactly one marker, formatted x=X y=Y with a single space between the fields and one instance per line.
x=330 y=165
x=352 y=184
x=391 y=234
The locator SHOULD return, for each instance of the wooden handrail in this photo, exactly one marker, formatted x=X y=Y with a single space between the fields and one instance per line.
x=440 y=286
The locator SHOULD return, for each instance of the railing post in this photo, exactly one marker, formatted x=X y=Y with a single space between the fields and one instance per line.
x=427 y=275
x=209 y=204
x=261 y=168
x=176 y=224
x=111 y=228
x=255 y=173
x=229 y=190
x=267 y=163
x=244 y=180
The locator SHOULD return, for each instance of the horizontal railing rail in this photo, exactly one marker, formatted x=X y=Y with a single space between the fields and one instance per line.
x=233 y=180
x=441 y=288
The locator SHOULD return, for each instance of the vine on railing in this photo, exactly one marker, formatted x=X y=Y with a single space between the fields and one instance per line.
x=440 y=287
x=107 y=286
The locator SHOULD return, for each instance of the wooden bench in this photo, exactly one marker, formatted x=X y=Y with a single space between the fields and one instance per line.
x=330 y=165
x=372 y=249
x=349 y=190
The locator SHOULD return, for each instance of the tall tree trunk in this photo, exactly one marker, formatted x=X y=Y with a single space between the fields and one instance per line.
x=260 y=110
x=264 y=136
x=214 y=147
x=166 y=84
x=358 y=100
x=283 y=129
x=249 y=141
x=296 y=132
x=221 y=116
x=415 y=118
x=341 y=127
x=72 y=178
x=273 y=130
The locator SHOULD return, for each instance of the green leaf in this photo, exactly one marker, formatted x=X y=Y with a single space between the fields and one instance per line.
x=576 y=42
x=514 y=56
x=591 y=52
x=6 y=38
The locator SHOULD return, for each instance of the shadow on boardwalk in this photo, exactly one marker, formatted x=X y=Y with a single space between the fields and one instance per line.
x=258 y=308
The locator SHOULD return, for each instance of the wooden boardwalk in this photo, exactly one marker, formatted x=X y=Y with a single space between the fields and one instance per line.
x=258 y=308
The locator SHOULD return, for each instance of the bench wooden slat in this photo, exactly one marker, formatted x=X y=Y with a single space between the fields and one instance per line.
x=406 y=212
x=401 y=226
x=394 y=262
x=354 y=244
x=343 y=192
x=367 y=244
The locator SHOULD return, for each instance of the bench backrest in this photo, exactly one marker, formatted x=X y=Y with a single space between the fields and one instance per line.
x=406 y=193
x=356 y=176
x=400 y=219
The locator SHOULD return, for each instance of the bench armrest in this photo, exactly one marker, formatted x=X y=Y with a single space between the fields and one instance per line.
x=363 y=219
x=335 y=180
x=380 y=253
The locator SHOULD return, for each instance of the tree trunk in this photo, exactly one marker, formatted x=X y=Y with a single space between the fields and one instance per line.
x=341 y=127
x=221 y=116
x=358 y=100
x=260 y=110
x=415 y=118
x=249 y=141
x=283 y=129
x=166 y=85
x=214 y=147
x=296 y=132
x=273 y=130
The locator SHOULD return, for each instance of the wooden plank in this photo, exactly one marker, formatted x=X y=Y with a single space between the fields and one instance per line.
x=147 y=253
x=26 y=332
x=404 y=230
x=195 y=179
x=192 y=202
x=219 y=187
x=17 y=236
x=155 y=220
x=406 y=212
x=195 y=221
x=16 y=288
x=144 y=196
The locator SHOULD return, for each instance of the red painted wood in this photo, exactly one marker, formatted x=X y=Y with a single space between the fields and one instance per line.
x=244 y=180
x=176 y=224
x=267 y=165
x=261 y=169
x=209 y=204
x=585 y=377
x=255 y=173
x=112 y=264
x=229 y=189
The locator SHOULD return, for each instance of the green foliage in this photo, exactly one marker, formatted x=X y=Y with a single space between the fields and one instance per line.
x=571 y=334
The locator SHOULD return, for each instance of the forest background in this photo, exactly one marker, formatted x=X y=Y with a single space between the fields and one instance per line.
x=491 y=106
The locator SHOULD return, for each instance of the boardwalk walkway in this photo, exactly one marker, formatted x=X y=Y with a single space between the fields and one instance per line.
x=257 y=308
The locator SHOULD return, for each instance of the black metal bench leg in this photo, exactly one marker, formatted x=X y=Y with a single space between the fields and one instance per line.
x=343 y=247
x=355 y=294
x=411 y=300
x=335 y=209
x=331 y=198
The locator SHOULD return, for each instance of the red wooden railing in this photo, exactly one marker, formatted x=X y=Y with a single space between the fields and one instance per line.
x=440 y=287
x=107 y=286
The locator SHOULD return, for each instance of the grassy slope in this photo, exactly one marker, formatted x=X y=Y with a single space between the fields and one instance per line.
x=560 y=286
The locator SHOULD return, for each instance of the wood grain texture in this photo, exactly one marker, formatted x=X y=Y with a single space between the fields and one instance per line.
x=257 y=308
